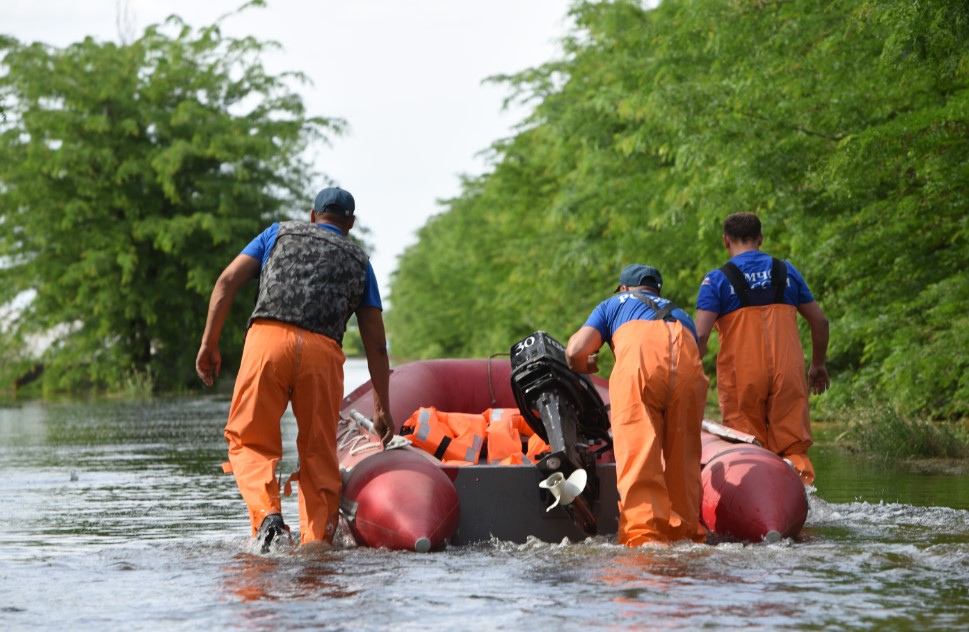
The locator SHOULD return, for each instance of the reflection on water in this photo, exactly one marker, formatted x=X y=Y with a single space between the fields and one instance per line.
x=251 y=577
x=846 y=479
x=149 y=534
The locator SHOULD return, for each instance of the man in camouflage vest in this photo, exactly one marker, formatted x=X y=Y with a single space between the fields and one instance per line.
x=312 y=278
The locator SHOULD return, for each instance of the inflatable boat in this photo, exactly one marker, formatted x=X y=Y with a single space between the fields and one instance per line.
x=402 y=497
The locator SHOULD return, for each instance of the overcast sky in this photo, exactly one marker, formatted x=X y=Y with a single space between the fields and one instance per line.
x=405 y=74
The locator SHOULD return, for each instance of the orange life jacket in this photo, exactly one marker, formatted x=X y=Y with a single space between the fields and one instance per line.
x=506 y=431
x=536 y=448
x=454 y=438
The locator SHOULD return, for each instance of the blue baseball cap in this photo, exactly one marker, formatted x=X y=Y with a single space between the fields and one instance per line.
x=334 y=200
x=637 y=274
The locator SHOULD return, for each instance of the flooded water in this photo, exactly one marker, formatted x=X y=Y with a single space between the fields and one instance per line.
x=116 y=516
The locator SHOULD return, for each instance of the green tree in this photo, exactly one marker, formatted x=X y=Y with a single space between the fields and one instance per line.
x=129 y=176
x=842 y=124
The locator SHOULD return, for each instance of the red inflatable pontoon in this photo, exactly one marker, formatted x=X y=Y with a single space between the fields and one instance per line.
x=396 y=498
x=403 y=498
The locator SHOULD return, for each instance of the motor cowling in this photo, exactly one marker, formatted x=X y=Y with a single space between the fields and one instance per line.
x=565 y=410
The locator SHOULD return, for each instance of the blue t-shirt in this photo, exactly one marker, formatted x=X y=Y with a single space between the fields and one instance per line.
x=718 y=296
x=616 y=311
x=260 y=247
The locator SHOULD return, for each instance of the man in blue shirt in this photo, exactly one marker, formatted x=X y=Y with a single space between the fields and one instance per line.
x=312 y=278
x=753 y=301
x=657 y=393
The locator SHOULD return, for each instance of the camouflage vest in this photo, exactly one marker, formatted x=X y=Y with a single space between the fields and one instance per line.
x=313 y=278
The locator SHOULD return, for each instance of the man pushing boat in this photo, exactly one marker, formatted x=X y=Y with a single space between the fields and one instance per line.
x=657 y=393
x=753 y=300
x=312 y=278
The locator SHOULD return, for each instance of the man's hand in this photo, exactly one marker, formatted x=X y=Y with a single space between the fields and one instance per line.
x=818 y=380
x=242 y=269
x=208 y=363
x=582 y=351
x=383 y=423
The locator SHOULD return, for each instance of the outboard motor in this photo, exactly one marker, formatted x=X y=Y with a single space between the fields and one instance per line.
x=565 y=410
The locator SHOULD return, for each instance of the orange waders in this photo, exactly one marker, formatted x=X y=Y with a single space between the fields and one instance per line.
x=657 y=393
x=762 y=383
x=283 y=363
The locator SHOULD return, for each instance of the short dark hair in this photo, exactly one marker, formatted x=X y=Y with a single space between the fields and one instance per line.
x=743 y=227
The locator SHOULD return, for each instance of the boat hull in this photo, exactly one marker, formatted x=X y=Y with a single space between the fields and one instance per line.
x=749 y=494
x=522 y=511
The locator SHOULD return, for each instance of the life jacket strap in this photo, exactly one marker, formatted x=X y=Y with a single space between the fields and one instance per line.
x=442 y=448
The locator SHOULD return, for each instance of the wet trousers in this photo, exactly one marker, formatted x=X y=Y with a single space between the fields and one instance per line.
x=762 y=382
x=283 y=364
x=657 y=393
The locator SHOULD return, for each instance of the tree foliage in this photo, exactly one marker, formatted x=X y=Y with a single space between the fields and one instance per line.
x=130 y=174
x=842 y=124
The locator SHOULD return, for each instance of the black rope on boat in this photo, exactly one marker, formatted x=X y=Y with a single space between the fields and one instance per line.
x=491 y=387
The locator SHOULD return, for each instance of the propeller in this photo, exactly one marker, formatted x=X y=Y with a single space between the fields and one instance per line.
x=565 y=489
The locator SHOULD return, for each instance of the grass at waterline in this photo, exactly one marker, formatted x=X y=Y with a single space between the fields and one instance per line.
x=138 y=384
x=884 y=432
